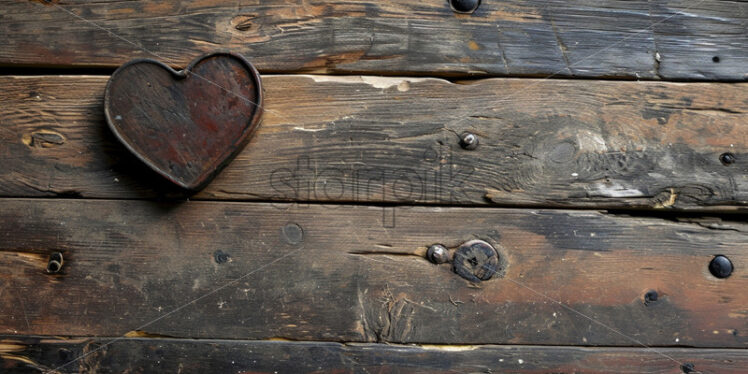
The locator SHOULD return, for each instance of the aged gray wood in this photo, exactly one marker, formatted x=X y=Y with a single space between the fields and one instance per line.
x=154 y=355
x=657 y=39
x=358 y=273
x=372 y=140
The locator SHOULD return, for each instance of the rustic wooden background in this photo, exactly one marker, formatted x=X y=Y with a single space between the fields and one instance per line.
x=600 y=178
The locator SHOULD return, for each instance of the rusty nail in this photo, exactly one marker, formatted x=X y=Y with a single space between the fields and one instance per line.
x=55 y=263
x=464 y=6
x=650 y=297
x=727 y=158
x=468 y=141
x=476 y=261
x=720 y=266
x=437 y=254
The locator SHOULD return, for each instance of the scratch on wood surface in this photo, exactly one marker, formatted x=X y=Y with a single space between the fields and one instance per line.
x=560 y=44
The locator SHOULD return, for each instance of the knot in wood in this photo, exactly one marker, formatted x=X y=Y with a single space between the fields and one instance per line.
x=476 y=261
x=55 y=263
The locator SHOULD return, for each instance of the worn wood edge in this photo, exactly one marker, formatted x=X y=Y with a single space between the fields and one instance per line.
x=630 y=40
x=630 y=145
x=144 y=260
x=156 y=355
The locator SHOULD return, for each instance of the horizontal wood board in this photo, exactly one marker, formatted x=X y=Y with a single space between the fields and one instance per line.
x=364 y=139
x=154 y=355
x=358 y=273
x=659 y=39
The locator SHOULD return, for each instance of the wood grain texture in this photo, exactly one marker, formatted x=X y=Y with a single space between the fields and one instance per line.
x=658 y=39
x=357 y=273
x=371 y=140
x=136 y=355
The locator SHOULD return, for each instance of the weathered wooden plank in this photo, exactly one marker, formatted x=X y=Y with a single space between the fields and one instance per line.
x=669 y=39
x=357 y=273
x=366 y=139
x=136 y=355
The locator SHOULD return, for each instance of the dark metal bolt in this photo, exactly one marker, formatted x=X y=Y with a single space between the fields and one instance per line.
x=438 y=254
x=688 y=368
x=727 y=158
x=221 y=257
x=720 y=266
x=476 y=261
x=55 y=263
x=468 y=141
x=464 y=6
x=650 y=297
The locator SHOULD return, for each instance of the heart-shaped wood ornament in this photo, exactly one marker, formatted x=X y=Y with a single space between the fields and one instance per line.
x=186 y=125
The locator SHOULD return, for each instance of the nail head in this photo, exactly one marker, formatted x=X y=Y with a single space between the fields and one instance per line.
x=727 y=158
x=476 y=261
x=437 y=254
x=468 y=141
x=650 y=297
x=720 y=266
x=464 y=6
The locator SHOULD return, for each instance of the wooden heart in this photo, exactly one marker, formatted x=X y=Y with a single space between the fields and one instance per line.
x=186 y=125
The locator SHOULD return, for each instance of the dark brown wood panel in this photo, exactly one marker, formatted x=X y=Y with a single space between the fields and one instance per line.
x=153 y=355
x=668 y=39
x=368 y=139
x=357 y=273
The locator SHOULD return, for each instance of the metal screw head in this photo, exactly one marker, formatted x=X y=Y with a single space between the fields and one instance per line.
x=468 y=140
x=720 y=266
x=464 y=6
x=476 y=261
x=55 y=263
x=650 y=297
x=438 y=254
x=727 y=158
x=687 y=368
x=221 y=257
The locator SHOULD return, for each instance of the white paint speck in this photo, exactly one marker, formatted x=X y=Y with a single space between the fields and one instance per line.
x=574 y=174
x=306 y=129
x=376 y=82
x=118 y=117
x=521 y=361
x=677 y=340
